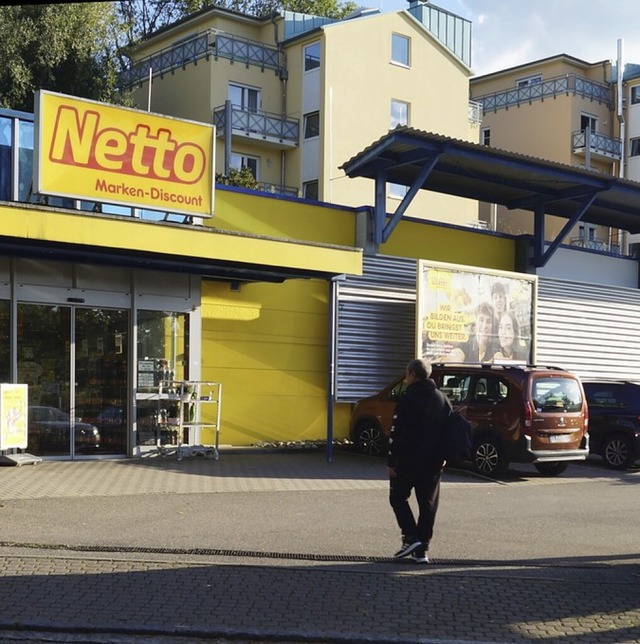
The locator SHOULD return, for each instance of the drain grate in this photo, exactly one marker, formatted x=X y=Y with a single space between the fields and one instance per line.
x=254 y=554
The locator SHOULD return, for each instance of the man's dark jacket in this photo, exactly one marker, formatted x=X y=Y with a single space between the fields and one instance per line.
x=417 y=433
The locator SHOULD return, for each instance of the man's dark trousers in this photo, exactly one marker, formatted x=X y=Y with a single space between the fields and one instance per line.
x=426 y=483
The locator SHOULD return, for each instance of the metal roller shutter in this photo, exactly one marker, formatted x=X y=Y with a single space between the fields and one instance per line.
x=375 y=326
x=589 y=329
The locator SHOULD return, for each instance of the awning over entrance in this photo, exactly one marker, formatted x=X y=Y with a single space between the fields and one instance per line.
x=30 y=231
x=426 y=161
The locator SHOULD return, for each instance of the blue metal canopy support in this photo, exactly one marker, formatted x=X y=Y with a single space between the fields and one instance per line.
x=540 y=256
x=383 y=231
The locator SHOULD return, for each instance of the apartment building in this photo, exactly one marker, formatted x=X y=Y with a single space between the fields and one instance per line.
x=561 y=109
x=294 y=96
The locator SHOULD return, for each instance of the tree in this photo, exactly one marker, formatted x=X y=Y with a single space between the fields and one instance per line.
x=144 y=17
x=68 y=48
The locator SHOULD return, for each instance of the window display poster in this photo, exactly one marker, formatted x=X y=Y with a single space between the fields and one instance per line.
x=13 y=416
x=469 y=315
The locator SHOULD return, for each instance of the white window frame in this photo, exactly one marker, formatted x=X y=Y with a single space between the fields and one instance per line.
x=307 y=185
x=590 y=119
x=239 y=160
x=634 y=147
x=308 y=121
x=485 y=136
x=635 y=95
x=396 y=118
x=529 y=80
x=312 y=59
x=404 y=43
x=246 y=93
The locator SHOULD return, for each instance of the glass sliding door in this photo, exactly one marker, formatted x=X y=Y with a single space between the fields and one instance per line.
x=44 y=350
x=101 y=377
x=75 y=361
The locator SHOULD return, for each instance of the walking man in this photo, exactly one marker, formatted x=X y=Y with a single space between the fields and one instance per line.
x=416 y=458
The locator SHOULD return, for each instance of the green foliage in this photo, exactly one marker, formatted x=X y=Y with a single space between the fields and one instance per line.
x=68 y=48
x=242 y=178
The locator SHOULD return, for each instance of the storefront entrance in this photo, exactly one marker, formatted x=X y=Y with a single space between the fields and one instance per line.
x=75 y=361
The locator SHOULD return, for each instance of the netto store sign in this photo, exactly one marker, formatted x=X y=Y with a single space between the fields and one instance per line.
x=98 y=152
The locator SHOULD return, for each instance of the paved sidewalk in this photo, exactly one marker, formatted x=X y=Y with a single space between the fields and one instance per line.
x=63 y=570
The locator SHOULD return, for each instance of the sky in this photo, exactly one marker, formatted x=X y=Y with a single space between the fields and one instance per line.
x=506 y=33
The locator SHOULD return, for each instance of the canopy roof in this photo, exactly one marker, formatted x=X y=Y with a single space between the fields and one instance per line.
x=422 y=160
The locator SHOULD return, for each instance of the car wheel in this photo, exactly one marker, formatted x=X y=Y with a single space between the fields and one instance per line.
x=617 y=452
x=370 y=439
x=551 y=469
x=489 y=458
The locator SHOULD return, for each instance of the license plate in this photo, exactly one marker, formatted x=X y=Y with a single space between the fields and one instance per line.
x=560 y=438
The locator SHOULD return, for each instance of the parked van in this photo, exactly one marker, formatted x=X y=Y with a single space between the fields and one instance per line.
x=519 y=414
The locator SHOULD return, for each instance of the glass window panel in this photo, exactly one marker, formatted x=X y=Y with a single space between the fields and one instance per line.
x=25 y=161
x=399 y=113
x=311 y=125
x=6 y=159
x=312 y=57
x=400 y=49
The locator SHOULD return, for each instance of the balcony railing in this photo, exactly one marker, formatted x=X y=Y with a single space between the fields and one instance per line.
x=596 y=144
x=475 y=112
x=567 y=84
x=596 y=244
x=277 y=189
x=256 y=124
x=203 y=45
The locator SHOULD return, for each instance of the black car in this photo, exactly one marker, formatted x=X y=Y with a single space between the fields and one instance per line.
x=614 y=421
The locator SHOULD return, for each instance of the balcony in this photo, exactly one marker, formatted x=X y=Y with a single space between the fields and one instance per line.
x=203 y=45
x=277 y=189
x=264 y=127
x=596 y=146
x=566 y=85
x=475 y=112
x=596 y=244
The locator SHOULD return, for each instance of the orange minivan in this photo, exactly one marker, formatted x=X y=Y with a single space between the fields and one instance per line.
x=519 y=414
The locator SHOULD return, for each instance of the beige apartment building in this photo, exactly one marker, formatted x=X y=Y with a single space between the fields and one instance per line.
x=294 y=96
x=560 y=109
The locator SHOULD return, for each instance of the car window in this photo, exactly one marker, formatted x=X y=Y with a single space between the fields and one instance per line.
x=397 y=389
x=556 y=394
x=455 y=387
x=605 y=395
x=490 y=389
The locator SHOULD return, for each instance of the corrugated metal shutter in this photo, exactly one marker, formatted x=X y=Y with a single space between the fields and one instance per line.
x=591 y=330
x=375 y=326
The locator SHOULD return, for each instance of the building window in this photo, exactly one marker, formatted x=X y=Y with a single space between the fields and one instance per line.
x=588 y=122
x=485 y=136
x=399 y=113
x=239 y=161
x=312 y=57
x=400 y=49
x=311 y=125
x=635 y=95
x=310 y=190
x=397 y=190
x=634 y=148
x=529 y=80
x=246 y=98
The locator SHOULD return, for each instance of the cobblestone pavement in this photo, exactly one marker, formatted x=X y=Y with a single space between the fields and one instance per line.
x=74 y=592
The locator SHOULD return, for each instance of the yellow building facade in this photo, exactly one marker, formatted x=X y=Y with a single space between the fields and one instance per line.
x=294 y=96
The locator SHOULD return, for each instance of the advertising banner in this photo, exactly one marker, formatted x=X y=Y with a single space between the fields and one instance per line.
x=98 y=152
x=471 y=315
x=13 y=416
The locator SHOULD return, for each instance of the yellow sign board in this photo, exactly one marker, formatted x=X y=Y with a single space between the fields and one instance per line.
x=13 y=416
x=98 y=152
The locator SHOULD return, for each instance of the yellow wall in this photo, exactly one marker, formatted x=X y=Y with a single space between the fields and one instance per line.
x=358 y=74
x=268 y=343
